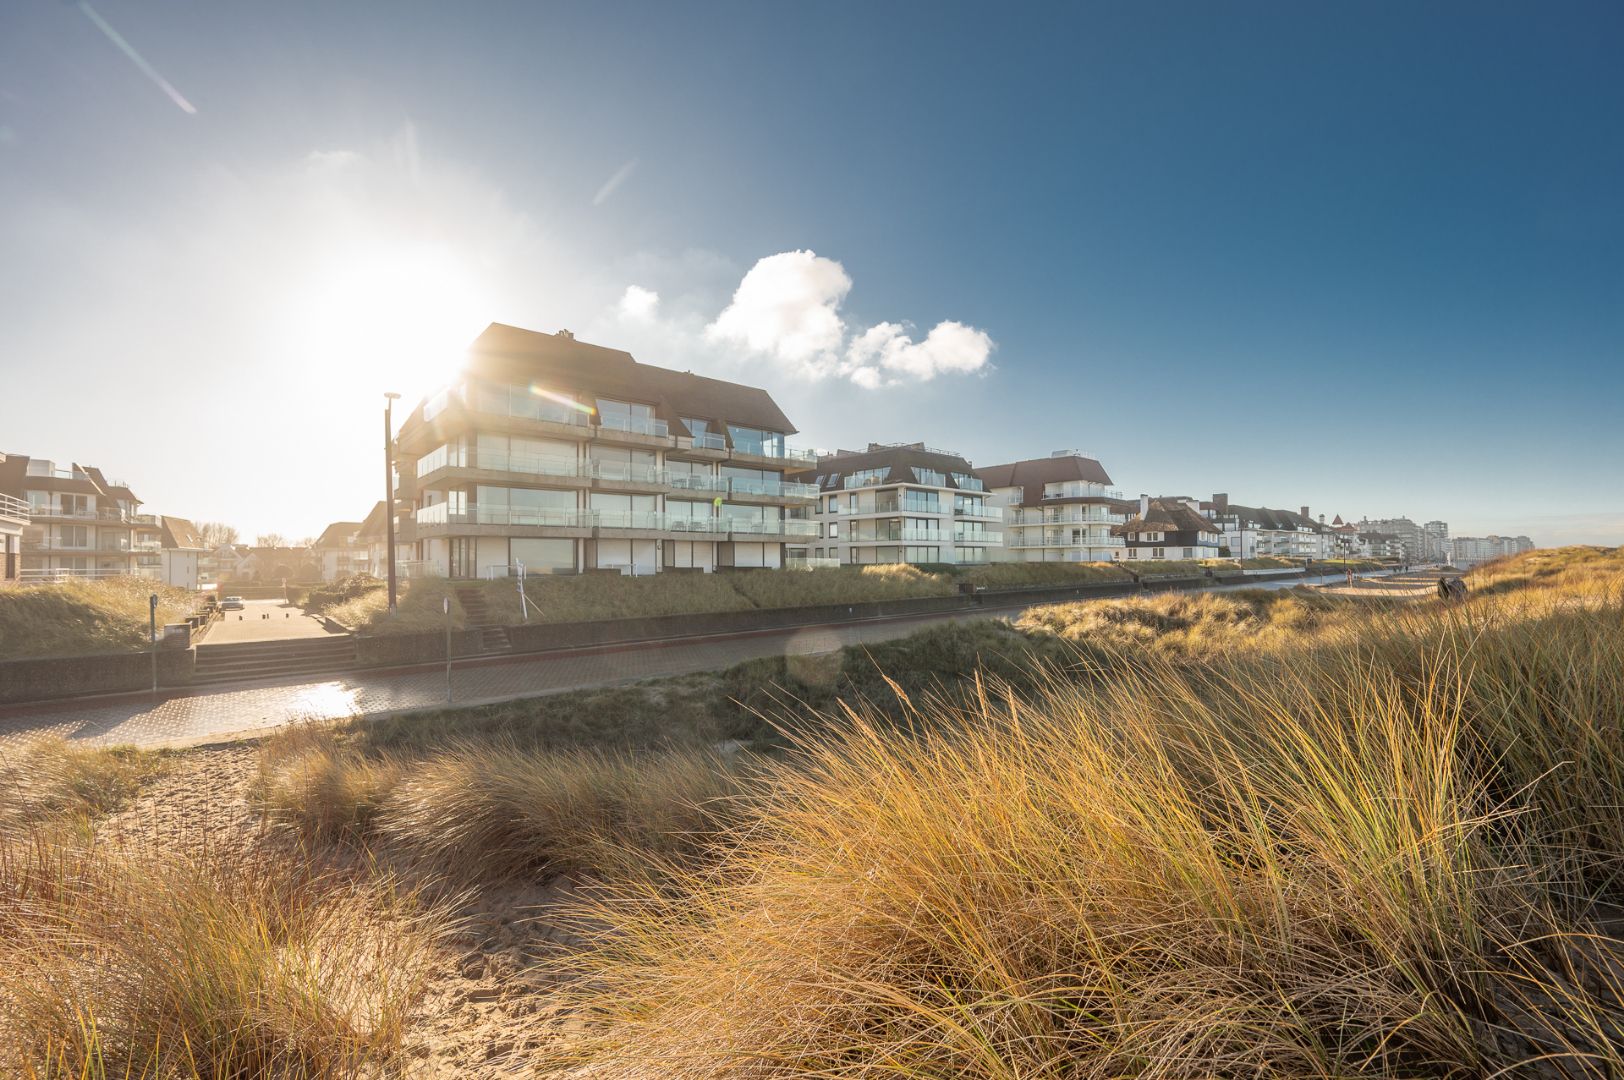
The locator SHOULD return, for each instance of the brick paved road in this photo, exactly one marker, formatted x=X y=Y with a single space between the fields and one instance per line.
x=175 y=719
x=239 y=708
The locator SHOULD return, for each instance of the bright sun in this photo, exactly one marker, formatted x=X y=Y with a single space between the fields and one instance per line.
x=383 y=320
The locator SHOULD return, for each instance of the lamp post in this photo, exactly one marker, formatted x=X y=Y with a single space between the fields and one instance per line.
x=389 y=490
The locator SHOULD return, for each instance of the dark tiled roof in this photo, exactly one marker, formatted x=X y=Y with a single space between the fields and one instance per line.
x=511 y=354
x=178 y=533
x=1262 y=517
x=1033 y=473
x=1166 y=515
x=339 y=534
x=14 y=481
x=904 y=461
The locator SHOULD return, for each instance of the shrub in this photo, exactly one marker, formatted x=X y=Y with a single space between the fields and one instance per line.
x=50 y=779
x=320 y=599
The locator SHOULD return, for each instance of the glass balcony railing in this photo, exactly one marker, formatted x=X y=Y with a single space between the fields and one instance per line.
x=527 y=464
x=626 y=472
x=894 y=536
x=976 y=536
x=695 y=524
x=630 y=519
x=635 y=425
x=907 y=506
x=798 y=528
x=709 y=440
x=982 y=513
x=696 y=481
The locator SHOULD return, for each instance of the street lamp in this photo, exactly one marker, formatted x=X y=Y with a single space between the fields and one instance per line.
x=389 y=400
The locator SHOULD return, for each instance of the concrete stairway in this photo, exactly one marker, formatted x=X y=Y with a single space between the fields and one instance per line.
x=492 y=638
x=268 y=659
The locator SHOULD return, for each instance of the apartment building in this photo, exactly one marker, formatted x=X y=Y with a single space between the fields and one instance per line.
x=81 y=523
x=1249 y=532
x=567 y=457
x=1171 y=527
x=1470 y=550
x=13 y=520
x=341 y=551
x=1417 y=542
x=898 y=503
x=1436 y=534
x=1382 y=545
x=1059 y=508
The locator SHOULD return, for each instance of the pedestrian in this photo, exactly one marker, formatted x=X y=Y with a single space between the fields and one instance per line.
x=1443 y=588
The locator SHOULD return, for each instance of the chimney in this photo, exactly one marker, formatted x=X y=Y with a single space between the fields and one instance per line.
x=570 y=334
x=1220 y=502
x=1305 y=511
x=1144 y=504
x=1322 y=519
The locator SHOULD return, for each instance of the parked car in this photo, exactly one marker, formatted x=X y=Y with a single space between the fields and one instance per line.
x=231 y=603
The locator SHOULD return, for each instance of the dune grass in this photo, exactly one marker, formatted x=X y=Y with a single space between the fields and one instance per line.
x=77 y=617
x=1391 y=855
x=1017 y=575
x=1192 y=624
x=492 y=808
x=52 y=780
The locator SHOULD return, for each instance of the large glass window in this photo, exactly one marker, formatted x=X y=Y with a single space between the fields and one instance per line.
x=966 y=482
x=748 y=440
x=524 y=506
x=868 y=477
x=753 y=481
x=630 y=416
x=930 y=477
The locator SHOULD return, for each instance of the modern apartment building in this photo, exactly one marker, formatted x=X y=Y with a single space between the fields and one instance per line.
x=898 y=502
x=1250 y=532
x=1171 y=527
x=1417 y=543
x=13 y=520
x=1470 y=550
x=81 y=524
x=1060 y=508
x=566 y=457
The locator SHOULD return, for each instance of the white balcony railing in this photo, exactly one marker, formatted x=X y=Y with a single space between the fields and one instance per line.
x=13 y=509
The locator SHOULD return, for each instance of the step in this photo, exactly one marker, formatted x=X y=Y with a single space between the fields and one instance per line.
x=494 y=639
x=269 y=673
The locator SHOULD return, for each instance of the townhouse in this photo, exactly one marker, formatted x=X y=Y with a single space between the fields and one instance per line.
x=566 y=457
x=1059 y=508
x=181 y=551
x=1249 y=532
x=897 y=503
x=1171 y=527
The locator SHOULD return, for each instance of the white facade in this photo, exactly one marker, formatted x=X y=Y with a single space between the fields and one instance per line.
x=1056 y=509
x=1470 y=550
x=900 y=514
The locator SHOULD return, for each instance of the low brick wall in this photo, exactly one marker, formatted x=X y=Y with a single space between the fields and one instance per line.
x=42 y=678
x=401 y=650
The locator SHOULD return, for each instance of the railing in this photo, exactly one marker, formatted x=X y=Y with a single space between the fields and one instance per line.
x=635 y=425
x=907 y=506
x=696 y=481
x=626 y=472
x=696 y=524
x=987 y=513
x=652 y=520
x=991 y=539
x=104 y=514
x=150 y=520
x=46 y=575
x=13 y=508
x=895 y=536
x=802 y=562
x=560 y=517
x=772 y=488
x=147 y=545
x=1109 y=493
x=528 y=464
x=708 y=440
x=101 y=548
x=1083 y=519
x=797 y=528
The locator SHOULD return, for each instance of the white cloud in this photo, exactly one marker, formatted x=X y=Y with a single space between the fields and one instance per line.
x=638 y=304
x=950 y=348
x=787 y=308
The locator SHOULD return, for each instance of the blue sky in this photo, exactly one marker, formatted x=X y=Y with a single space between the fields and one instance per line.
x=1365 y=258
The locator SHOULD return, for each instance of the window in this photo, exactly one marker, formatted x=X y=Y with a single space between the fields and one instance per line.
x=630 y=416
x=930 y=477
x=1189 y=553
x=834 y=530
x=966 y=482
x=868 y=477
x=756 y=441
x=1159 y=553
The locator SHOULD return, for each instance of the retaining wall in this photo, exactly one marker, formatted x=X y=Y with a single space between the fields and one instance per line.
x=42 y=678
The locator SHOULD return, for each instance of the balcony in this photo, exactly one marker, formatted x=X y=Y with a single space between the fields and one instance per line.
x=634 y=425
x=979 y=513
x=524 y=464
x=1083 y=493
x=643 y=520
x=695 y=482
x=626 y=472
x=506 y=516
x=772 y=489
x=62 y=513
x=908 y=506
x=1095 y=518
x=13 y=511
x=903 y=536
x=990 y=539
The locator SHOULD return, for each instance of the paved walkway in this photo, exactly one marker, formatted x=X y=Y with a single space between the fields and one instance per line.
x=210 y=713
x=264 y=620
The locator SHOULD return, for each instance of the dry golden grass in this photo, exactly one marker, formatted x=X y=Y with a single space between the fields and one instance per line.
x=120 y=963
x=77 y=616
x=1194 y=624
x=1396 y=854
x=491 y=808
x=48 y=780
x=1015 y=575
